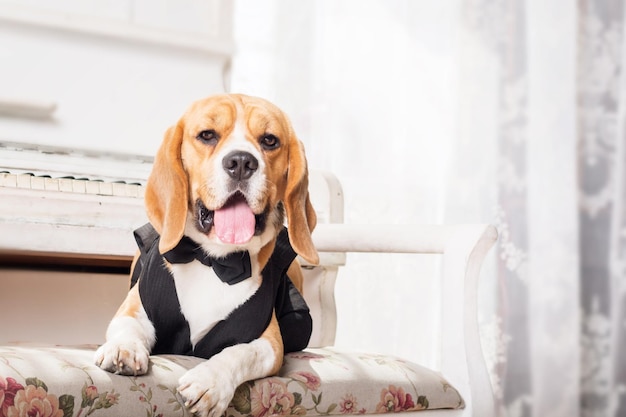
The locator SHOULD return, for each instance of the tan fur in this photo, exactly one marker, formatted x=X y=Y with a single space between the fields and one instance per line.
x=131 y=304
x=167 y=190
x=300 y=213
x=272 y=335
x=295 y=275
x=177 y=177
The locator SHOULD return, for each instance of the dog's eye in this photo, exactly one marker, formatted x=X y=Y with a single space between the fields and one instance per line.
x=208 y=137
x=269 y=142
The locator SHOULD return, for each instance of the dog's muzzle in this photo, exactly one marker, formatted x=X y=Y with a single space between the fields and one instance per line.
x=234 y=223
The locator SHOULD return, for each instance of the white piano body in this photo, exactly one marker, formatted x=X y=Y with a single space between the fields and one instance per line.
x=66 y=243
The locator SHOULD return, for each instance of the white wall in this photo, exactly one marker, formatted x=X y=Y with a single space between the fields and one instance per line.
x=371 y=87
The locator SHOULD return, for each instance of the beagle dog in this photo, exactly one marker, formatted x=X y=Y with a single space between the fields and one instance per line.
x=216 y=275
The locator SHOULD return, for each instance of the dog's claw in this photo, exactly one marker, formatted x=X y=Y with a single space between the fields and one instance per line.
x=203 y=396
x=123 y=359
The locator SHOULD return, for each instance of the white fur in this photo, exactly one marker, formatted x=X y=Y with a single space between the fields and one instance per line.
x=205 y=299
x=209 y=387
x=128 y=344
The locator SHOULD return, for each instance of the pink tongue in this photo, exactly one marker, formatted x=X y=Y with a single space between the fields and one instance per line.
x=234 y=223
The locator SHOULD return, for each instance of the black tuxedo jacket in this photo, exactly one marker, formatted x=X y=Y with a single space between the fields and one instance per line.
x=246 y=323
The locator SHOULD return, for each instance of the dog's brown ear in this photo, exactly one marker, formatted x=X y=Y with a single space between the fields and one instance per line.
x=166 y=190
x=300 y=213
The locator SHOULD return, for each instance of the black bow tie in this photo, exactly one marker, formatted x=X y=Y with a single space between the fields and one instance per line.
x=231 y=269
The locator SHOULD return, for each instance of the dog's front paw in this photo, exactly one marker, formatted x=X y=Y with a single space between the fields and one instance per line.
x=207 y=389
x=128 y=358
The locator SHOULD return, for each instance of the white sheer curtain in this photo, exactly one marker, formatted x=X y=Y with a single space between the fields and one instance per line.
x=508 y=112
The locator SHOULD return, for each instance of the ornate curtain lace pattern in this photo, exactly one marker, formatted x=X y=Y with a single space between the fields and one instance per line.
x=598 y=387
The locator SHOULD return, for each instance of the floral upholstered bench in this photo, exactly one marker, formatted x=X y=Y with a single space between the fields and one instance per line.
x=62 y=381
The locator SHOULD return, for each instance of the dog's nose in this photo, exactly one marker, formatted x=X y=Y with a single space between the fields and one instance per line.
x=240 y=165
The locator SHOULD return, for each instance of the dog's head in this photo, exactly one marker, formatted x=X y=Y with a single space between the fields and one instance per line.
x=225 y=175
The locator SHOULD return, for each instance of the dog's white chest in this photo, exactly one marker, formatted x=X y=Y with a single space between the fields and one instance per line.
x=204 y=299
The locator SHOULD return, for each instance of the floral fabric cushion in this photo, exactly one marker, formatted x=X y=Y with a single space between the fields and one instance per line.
x=63 y=382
